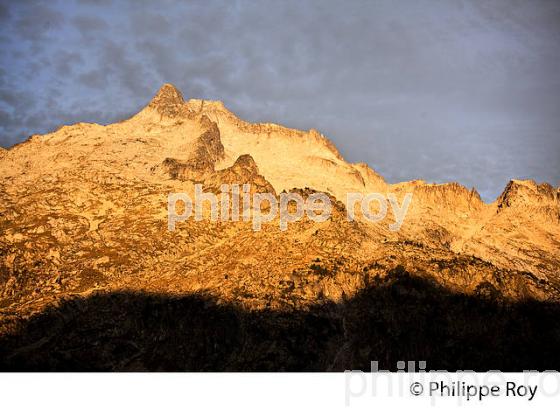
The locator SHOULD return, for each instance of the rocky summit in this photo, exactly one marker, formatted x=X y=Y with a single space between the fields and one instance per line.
x=92 y=278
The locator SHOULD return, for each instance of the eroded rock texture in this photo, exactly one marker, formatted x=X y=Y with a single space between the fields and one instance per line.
x=91 y=277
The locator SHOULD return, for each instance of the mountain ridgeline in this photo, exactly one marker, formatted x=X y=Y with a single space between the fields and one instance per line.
x=91 y=278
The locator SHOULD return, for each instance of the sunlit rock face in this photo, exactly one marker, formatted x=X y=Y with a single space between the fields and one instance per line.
x=83 y=212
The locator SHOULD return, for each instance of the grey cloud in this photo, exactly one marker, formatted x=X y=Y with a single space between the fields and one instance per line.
x=94 y=79
x=96 y=2
x=66 y=62
x=37 y=20
x=149 y=24
x=162 y=58
x=16 y=100
x=86 y=24
x=4 y=12
x=129 y=73
x=5 y=117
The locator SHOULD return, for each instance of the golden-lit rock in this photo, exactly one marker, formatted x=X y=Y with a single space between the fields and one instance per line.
x=83 y=210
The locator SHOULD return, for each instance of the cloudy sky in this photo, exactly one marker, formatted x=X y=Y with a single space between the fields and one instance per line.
x=435 y=90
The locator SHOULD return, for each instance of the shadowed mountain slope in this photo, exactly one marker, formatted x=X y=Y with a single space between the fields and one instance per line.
x=401 y=317
x=84 y=218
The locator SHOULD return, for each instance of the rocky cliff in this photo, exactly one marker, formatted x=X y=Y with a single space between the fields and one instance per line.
x=83 y=214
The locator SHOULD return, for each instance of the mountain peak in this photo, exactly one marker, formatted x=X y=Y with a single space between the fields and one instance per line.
x=168 y=100
x=528 y=193
x=169 y=89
